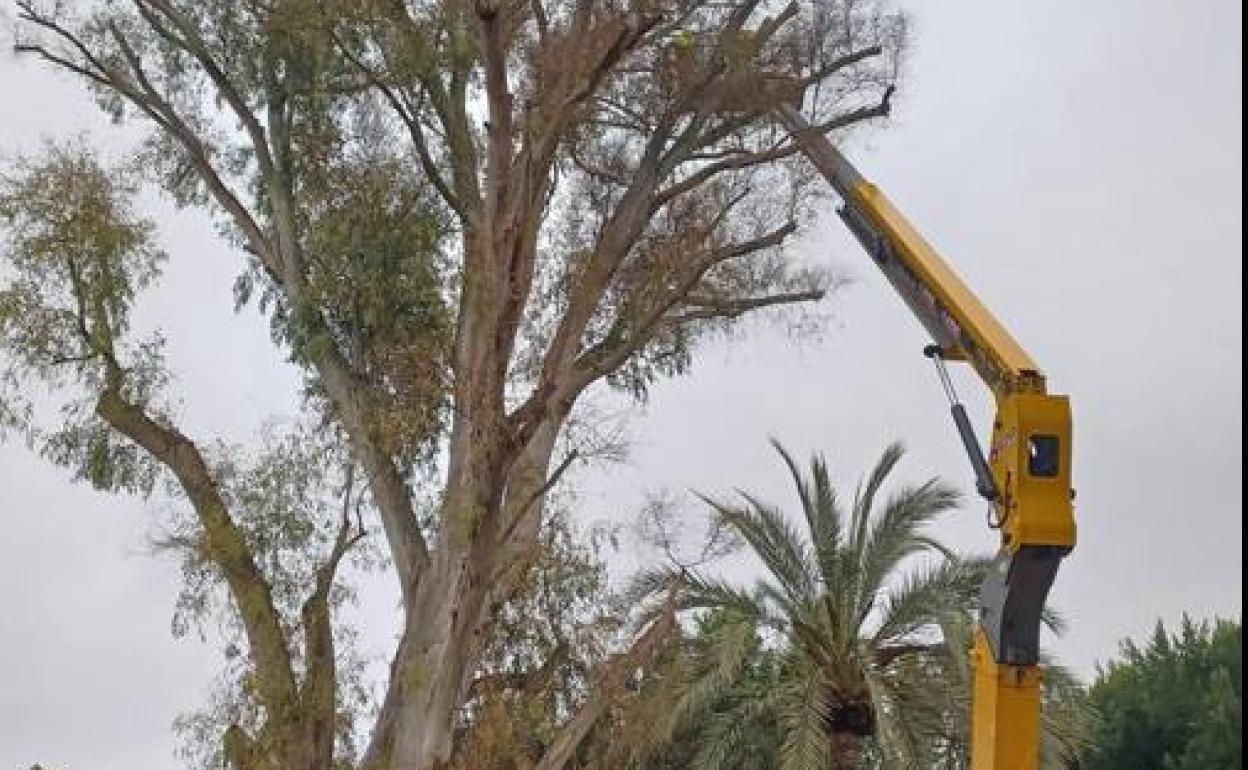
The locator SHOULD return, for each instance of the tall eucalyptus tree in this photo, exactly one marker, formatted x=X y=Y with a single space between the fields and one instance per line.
x=461 y=215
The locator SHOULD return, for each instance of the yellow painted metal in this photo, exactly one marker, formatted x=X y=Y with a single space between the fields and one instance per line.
x=1035 y=509
x=1005 y=722
x=1001 y=361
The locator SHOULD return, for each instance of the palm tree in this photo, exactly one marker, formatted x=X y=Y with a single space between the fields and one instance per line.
x=865 y=660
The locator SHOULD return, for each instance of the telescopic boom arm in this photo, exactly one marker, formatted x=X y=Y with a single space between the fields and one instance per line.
x=1025 y=477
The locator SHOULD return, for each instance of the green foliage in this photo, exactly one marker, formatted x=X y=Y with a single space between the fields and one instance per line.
x=288 y=497
x=1218 y=741
x=1174 y=703
x=378 y=282
x=550 y=635
x=79 y=252
x=76 y=256
x=369 y=233
x=559 y=612
x=600 y=229
x=865 y=644
x=727 y=721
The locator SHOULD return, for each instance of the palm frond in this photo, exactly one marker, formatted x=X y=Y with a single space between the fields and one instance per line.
x=809 y=503
x=648 y=583
x=850 y=594
x=851 y=625
x=805 y=611
x=1068 y=718
x=957 y=629
x=925 y=597
x=897 y=533
x=693 y=591
x=830 y=520
x=775 y=541
x=911 y=706
x=864 y=498
x=821 y=509
x=713 y=671
x=803 y=714
x=729 y=738
x=722 y=738
x=932 y=544
x=1053 y=619
x=697 y=591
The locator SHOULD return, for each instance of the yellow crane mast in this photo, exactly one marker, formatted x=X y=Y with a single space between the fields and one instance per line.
x=1026 y=476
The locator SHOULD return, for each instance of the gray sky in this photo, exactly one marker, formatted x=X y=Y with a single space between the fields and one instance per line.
x=1078 y=163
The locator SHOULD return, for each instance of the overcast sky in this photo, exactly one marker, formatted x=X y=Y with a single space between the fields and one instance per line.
x=1078 y=163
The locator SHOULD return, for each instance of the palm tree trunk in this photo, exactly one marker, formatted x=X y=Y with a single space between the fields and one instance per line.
x=845 y=751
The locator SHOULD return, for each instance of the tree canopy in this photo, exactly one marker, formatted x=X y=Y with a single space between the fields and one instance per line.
x=1173 y=703
x=460 y=215
x=870 y=619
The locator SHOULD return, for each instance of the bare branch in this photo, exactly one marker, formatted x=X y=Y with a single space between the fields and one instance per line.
x=733 y=308
x=742 y=159
x=615 y=675
x=639 y=121
x=618 y=234
x=603 y=358
x=734 y=162
x=836 y=65
x=28 y=12
x=62 y=62
x=629 y=35
x=537 y=496
x=79 y=359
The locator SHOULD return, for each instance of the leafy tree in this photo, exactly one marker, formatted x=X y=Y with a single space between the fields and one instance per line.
x=460 y=215
x=657 y=723
x=730 y=725
x=1174 y=703
x=1218 y=741
x=862 y=646
x=868 y=666
x=539 y=666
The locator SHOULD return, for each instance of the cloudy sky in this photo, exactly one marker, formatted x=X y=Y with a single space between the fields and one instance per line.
x=1080 y=165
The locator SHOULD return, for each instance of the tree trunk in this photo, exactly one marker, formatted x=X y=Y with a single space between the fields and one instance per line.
x=440 y=643
x=447 y=620
x=845 y=751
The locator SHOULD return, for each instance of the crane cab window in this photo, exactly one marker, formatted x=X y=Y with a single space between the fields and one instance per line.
x=1043 y=455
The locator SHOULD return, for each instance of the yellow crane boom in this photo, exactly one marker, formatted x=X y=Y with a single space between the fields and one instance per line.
x=1026 y=476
